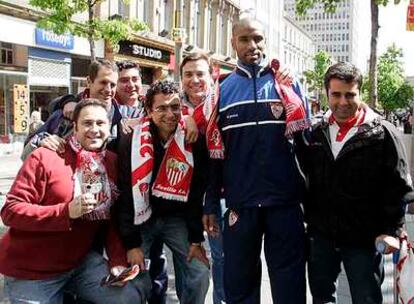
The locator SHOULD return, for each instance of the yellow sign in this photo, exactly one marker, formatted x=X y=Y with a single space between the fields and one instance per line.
x=178 y=34
x=21 y=108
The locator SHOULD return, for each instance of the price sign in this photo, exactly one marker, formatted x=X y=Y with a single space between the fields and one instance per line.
x=21 y=108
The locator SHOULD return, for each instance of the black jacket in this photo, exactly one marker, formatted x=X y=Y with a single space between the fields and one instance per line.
x=191 y=210
x=362 y=193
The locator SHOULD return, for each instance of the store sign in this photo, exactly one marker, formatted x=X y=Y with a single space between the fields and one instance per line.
x=21 y=108
x=410 y=16
x=48 y=38
x=141 y=51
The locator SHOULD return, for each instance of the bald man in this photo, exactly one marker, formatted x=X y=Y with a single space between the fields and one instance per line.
x=262 y=184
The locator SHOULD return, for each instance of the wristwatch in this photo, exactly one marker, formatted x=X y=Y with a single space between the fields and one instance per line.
x=196 y=244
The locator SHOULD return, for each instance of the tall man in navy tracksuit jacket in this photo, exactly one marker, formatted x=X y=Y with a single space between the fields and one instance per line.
x=262 y=184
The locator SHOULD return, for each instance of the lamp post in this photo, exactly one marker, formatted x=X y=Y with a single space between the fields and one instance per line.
x=179 y=36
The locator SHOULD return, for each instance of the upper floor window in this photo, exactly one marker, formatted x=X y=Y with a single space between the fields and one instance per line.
x=6 y=53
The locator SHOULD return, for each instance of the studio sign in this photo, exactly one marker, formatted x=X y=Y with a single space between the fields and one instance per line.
x=137 y=50
x=146 y=51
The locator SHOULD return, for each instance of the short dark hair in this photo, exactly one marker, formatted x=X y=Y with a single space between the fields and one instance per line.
x=96 y=65
x=244 y=21
x=165 y=87
x=86 y=103
x=194 y=56
x=344 y=71
x=126 y=65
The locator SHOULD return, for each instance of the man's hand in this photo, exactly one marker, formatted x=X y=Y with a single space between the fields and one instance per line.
x=54 y=143
x=129 y=124
x=410 y=208
x=197 y=251
x=391 y=243
x=135 y=256
x=284 y=76
x=191 y=130
x=116 y=270
x=81 y=205
x=210 y=225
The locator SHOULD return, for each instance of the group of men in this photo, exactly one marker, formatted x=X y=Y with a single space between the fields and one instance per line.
x=112 y=174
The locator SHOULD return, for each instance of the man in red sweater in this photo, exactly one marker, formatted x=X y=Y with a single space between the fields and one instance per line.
x=55 y=209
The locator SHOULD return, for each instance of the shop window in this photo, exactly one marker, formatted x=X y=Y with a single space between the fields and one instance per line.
x=6 y=53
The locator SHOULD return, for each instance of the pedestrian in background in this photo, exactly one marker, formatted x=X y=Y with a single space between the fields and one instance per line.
x=35 y=122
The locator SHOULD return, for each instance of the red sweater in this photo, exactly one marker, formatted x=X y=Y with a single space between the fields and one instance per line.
x=43 y=241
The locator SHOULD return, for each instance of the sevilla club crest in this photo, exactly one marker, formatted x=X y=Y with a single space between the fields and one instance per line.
x=277 y=109
x=176 y=171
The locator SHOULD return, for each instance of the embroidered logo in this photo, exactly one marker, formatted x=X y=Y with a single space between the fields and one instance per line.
x=216 y=137
x=176 y=171
x=233 y=217
x=277 y=109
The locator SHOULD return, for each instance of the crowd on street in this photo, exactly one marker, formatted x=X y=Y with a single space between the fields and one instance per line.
x=116 y=174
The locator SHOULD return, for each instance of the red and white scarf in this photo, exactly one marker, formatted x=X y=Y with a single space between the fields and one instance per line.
x=296 y=116
x=174 y=176
x=91 y=176
x=205 y=116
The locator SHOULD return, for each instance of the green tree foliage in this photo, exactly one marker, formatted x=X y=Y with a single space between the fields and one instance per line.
x=393 y=91
x=315 y=77
x=60 y=15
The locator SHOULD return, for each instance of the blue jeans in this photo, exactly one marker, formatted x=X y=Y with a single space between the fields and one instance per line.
x=217 y=256
x=158 y=273
x=193 y=277
x=83 y=281
x=364 y=269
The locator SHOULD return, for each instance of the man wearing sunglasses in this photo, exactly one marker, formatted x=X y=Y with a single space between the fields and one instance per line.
x=164 y=200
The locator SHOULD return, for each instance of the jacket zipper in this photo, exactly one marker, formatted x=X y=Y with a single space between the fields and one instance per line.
x=255 y=95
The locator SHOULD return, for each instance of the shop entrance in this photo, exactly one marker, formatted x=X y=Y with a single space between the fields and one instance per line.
x=41 y=96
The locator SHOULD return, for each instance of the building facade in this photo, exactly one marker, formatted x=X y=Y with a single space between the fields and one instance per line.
x=298 y=48
x=36 y=66
x=343 y=34
x=207 y=25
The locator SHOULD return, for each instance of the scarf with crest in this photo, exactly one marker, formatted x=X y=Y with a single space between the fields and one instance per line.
x=297 y=118
x=174 y=176
x=205 y=117
x=91 y=177
x=296 y=115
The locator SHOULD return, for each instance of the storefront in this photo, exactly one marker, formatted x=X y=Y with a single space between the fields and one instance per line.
x=41 y=64
x=155 y=58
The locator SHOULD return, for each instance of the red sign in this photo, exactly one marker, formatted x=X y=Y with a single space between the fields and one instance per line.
x=410 y=16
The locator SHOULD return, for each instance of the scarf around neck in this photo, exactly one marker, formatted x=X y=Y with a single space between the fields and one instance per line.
x=174 y=176
x=91 y=177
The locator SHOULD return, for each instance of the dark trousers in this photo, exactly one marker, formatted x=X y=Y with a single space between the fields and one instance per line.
x=158 y=273
x=284 y=247
x=364 y=269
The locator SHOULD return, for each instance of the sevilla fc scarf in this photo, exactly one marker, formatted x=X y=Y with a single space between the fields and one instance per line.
x=205 y=117
x=174 y=176
x=296 y=116
x=91 y=177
